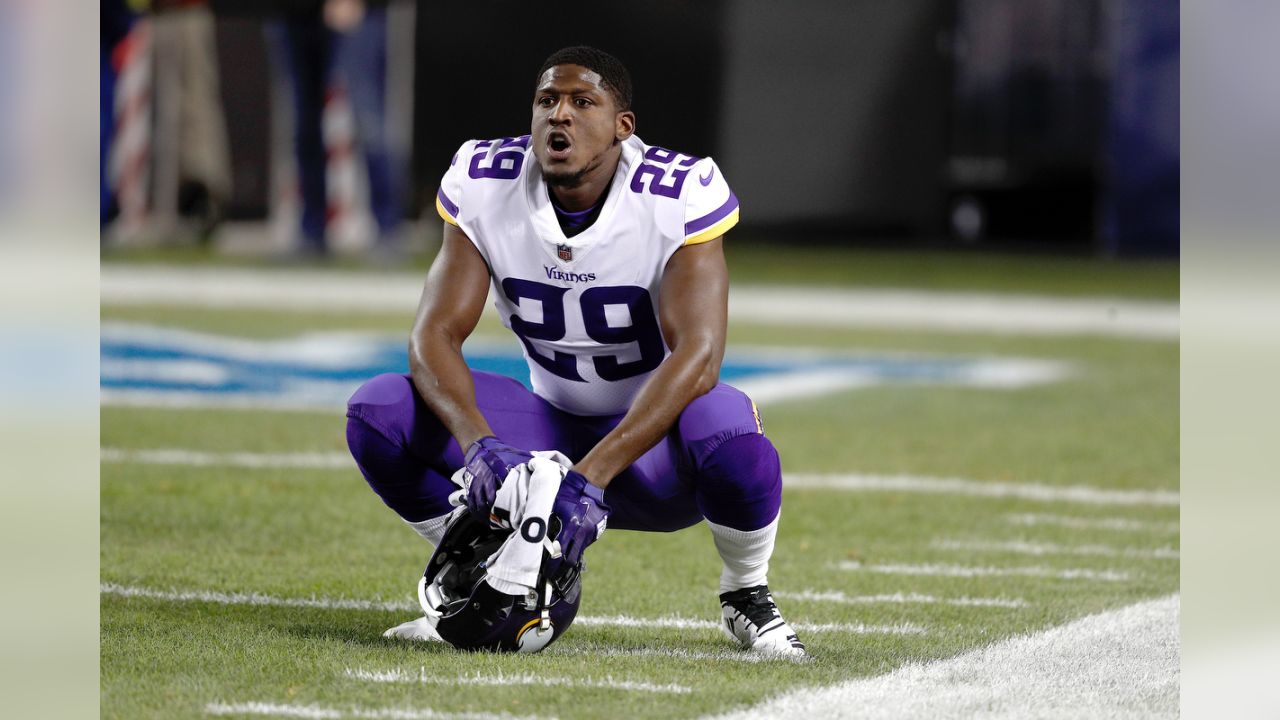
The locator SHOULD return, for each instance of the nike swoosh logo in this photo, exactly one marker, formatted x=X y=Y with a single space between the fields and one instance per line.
x=706 y=179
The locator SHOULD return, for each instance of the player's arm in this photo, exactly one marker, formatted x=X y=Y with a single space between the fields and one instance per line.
x=693 y=311
x=452 y=300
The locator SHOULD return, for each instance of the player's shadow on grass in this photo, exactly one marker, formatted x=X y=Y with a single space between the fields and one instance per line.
x=350 y=627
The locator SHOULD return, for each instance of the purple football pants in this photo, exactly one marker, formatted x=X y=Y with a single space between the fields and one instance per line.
x=715 y=463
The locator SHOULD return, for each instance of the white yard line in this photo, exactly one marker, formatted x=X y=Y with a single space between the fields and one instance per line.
x=979 y=488
x=851 y=482
x=955 y=312
x=679 y=623
x=1118 y=664
x=971 y=571
x=665 y=623
x=780 y=388
x=773 y=305
x=835 y=596
x=253 y=598
x=1018 y=547
x=991 y=373
x=224 y=287
x=194 y=372
x=181 y=400
x=1083 y=523
x=421 y=676
x=196 y=458
x=331 y=349
x=596 y=652
x=319 y=712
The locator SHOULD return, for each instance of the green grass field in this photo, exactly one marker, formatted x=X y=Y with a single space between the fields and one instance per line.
x=222 y=583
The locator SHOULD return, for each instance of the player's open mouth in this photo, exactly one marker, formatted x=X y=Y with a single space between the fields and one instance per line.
x=559 y=146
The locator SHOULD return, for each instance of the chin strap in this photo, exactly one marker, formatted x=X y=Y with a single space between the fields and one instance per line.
x=429 y=598
x=552 y=547
x=544 y=612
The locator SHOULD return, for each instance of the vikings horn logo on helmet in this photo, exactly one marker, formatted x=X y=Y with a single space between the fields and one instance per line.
x=531 y=638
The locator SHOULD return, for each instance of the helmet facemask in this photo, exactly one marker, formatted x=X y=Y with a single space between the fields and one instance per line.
x=470 y=614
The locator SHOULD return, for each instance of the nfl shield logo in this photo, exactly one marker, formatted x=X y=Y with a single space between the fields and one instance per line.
x=564 y=252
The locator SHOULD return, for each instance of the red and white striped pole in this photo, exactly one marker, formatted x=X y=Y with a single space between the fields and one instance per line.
x=350 y=225
x=129 y=159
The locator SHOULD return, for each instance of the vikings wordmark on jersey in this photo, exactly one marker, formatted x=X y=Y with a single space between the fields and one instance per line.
x=584 y=307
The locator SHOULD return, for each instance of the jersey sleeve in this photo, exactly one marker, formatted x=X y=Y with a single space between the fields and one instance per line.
x=450 y=193
x=711 y=208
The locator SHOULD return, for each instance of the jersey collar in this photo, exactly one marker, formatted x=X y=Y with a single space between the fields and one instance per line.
x=543 y=214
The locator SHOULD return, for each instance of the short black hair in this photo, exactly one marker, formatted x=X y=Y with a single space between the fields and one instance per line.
x=610 y=69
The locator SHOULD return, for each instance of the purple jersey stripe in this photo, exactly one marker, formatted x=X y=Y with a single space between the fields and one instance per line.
x=712 y=217
x=447 y=203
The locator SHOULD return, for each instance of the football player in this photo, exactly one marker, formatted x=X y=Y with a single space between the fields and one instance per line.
x=606 y=258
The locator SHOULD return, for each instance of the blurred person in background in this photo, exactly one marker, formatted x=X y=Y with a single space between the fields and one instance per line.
x=114 y=23
x=318 y=40
x=165 y=152
x=193 y=163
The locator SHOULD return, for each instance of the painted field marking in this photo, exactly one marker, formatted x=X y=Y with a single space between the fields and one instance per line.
x=165 y=367
x=192 y=372
x=180 y=400
x=249 y=460
x=978 y=488
x=254 y=598
x=319 y=712
x=849 y=482
x=421 y=676
x=679 y=623
x=1118 y=664
x=1082 y=523
x=596 y=651
x=970 y=571
x=1018 y=547
x=834 y=596
x=664 y=623
x=955 y=312
x=313 y=290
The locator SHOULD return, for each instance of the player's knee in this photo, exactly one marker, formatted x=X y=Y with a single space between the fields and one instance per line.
x=383 y=390
x=405 y=483
x=740 y=483
x=368 y=445
x=384 y=404
x=380 y=424
x=715 y=418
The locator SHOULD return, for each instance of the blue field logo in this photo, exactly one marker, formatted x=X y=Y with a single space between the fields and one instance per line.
x=143 y=365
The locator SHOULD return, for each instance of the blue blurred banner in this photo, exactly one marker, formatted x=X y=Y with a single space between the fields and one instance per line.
x=1141 y=201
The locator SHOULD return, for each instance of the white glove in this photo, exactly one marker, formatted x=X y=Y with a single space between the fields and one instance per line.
x=420 y=630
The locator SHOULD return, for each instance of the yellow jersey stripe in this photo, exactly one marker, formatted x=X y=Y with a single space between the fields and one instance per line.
x=714 y=231
x=444 y=214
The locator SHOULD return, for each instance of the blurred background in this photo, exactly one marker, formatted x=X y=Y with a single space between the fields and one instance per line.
x=310 y=128
x=818 y=111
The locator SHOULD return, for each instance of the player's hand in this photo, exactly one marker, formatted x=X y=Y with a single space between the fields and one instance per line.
x=488 y=462
x=583 y=515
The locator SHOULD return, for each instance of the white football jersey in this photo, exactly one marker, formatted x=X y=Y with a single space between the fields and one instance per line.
x=586 y=307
